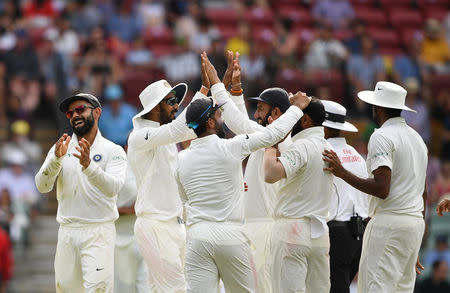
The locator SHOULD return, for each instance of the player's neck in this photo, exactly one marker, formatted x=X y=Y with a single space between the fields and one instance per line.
x=90 y=136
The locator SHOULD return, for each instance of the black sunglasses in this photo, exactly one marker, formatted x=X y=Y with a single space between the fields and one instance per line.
x=79 y=110
x=171 y=101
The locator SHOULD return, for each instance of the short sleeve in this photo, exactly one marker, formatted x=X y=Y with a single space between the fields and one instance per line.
x=380 y=152
x=293 y=159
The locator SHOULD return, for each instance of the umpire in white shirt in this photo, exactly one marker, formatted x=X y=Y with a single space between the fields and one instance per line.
x=89 y=171
x=211 y=183
x=348 y=207
x=300 y=242
x=397 y=159
x=153 y=157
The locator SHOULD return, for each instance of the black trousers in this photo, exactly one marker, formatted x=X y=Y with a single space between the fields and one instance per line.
x=345 y=251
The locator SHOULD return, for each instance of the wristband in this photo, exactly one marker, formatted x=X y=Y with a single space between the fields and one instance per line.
x=205 y=87
x=237 y=92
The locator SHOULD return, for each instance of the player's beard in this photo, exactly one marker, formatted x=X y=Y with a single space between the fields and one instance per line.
x=167 y=117
x=87 y=126
x=265 y=122
x=220 y=131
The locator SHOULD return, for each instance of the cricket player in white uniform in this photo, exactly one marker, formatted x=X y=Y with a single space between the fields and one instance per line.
x=153 y=157
x=300 y=241
x=89 y=171
x=131 y=274
x=348 y=207
x=210 y=181
x=397 y=159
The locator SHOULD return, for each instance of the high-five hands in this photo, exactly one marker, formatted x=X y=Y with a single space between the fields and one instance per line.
x=84 y=149
x=211 y=72
x=229 y=72
x=62 y=145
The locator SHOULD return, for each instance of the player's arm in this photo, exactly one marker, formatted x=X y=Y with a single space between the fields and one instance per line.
x=273 y=168
x=46 y=176
x=109 y=181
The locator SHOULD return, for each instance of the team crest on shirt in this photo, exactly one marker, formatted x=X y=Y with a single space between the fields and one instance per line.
x=97 y=157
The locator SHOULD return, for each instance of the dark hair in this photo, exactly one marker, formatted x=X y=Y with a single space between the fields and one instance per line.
x=436 y=264
x=198 y=112
x=315 y=111
x=391 y=113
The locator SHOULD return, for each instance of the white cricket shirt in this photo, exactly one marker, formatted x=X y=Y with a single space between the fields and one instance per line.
x=307 y=189
x=126 y=198
x=399 y=147
x=85 y=196
x=210 y=175
x=347 y=200
x=153 y=157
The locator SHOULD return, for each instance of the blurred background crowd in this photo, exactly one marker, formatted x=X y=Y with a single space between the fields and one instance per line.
x=50 y=49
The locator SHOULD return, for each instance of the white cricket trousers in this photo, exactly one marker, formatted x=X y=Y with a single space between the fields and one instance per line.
x=84 y=260
x=219 y=251
x=260 y=234
x=162 y=245
x=300 y=263
x=391 y=245
x=130 y=270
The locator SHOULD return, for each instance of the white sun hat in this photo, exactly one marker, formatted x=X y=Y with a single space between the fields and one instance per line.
x=387 y=95
x=335 y=117
x=155 y=93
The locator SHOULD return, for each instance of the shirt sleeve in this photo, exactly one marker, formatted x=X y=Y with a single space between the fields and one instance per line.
x=293 y=159
x=46 y=176
x=109 y=181
x=234 y=111
x=242 y=145
x=173 y=132
x=380 y=152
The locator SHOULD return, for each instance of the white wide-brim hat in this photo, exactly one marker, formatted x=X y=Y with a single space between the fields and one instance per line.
x=335 y=115
x=154 y=93
x=387 y=95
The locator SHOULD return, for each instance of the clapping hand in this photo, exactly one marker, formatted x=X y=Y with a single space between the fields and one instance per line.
x=84 y=149
x=62 y=145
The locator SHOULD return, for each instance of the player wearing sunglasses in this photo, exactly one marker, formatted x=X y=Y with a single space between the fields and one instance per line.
x=89 y=171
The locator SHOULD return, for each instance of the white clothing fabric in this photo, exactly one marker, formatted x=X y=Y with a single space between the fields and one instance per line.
x=391 y=245
x=130 y=270
x=210 y=174
x=84 y=260
x=401 y=149
x=162 y=245
x=260 y=235
x=219 y=251
x=300 y=263
x=307 y=189
x=346 y=200
x=153 y=157
x=85 y=196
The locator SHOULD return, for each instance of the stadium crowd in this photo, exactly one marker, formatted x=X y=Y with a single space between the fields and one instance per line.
x=51 y=49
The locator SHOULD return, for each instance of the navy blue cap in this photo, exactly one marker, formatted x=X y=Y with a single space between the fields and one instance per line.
x=275 y=97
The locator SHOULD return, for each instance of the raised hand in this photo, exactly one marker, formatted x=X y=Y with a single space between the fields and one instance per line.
x=62 y=145
x=210 y=70
x=205 y=80
x=236 y=76
x=229 y=72
x=300 y=100
x=84 y=148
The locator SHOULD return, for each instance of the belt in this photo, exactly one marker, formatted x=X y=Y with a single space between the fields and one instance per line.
x=333 y=224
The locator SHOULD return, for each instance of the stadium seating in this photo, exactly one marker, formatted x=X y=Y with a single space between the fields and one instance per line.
x=372 y=17
x=402 y=17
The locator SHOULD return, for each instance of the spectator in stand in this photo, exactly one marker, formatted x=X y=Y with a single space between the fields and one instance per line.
x=337 y=13
x=254 y=71
x=185 y=18
x=84 y=17
x=437 y=283
x=285 y=42
x=435 y=51
x=217 y=55
x=420 y=121
x=6 y=261
x=139 y=56
x=7 y=37
x=202 y=40
x=23 y=192
x=116 y=120
x=410 y=65
x=6 y=212
x=39 y=13
x=441 y=186
x=23 y=74
x=126 y=25
x=363 y=71
x=241 y=42
x=20 y=140
x=66 y=40
x=152 y=12
x=325 y=52
x=353 y=43
x=440 y=252
x=446 y=25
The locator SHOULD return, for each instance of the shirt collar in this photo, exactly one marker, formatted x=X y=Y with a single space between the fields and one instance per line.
x=203 y=140
x=337 y=141
x=139 y=122
x=393 y=121
x=316 y=131
x=98 y=136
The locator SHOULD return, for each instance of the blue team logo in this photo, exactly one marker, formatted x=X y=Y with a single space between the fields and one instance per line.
x=97 y=157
